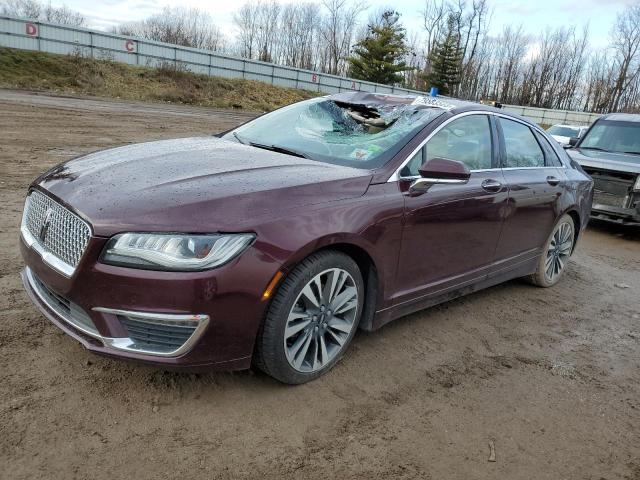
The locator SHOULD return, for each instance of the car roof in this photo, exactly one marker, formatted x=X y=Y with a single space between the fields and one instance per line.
x=568 y=126
x=452 y=105
x=622 y=117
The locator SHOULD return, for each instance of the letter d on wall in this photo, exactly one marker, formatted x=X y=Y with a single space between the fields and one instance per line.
x=31 y=29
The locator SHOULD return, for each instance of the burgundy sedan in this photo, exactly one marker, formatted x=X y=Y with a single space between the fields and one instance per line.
x=273 y=243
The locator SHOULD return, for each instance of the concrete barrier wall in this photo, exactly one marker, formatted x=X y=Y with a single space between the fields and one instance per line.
x=46 y=37
x=545 y=116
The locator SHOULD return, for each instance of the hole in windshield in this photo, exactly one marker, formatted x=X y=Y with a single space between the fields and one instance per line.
x=358 y=134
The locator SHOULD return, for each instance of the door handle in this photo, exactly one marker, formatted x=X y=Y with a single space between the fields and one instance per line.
x=553 y=181
x=490 y=185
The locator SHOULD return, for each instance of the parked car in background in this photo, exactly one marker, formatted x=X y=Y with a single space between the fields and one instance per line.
x=273 y=244
x=610 y=153
x=563 y=133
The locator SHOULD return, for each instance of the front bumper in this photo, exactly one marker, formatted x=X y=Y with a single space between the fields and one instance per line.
x=113 y=306
x=610 y=213
x=615 y=198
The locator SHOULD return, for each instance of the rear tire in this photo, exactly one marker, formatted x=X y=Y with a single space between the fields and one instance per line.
x=312 y=318
x=552 y=264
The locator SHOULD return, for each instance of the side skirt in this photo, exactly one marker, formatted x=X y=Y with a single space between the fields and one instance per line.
x=521 y=269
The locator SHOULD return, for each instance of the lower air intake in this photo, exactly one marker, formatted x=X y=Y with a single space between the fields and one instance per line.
x=156 y=337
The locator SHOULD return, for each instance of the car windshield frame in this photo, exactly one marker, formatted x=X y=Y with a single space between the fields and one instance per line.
x=337 y=132
x=600 y=137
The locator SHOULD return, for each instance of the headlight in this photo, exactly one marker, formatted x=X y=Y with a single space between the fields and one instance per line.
x=173 y=251
x=637 y=185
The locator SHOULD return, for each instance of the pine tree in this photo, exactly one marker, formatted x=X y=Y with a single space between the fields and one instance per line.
x=445 y=62
x=379 y=56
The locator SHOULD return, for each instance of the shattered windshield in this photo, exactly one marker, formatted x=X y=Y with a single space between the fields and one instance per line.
x=328 y=130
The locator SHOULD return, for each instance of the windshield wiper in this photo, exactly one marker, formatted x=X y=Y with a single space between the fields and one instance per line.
x=273 y=148
x=276 y=148
x=633 y=153
x=238 y=138
x=594 y=148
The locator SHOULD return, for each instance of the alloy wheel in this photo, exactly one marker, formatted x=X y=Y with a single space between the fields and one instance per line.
x=321 y=320
x=559 y=251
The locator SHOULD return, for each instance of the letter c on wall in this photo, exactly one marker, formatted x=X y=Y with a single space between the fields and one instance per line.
x=130 y=45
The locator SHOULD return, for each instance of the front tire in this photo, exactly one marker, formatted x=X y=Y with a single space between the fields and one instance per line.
x=555 y=255
x=312 y=318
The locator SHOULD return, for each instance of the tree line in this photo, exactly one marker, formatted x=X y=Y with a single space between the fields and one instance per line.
x=456 y=49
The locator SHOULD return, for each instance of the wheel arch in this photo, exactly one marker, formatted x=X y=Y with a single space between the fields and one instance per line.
x=369 y=272
x=577 y=225
x=355 y=249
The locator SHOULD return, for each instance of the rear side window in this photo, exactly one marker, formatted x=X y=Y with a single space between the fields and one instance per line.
x=552 y=159
x=521 y=147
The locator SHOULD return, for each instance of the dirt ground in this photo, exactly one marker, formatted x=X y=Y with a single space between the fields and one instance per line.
x=551 y=377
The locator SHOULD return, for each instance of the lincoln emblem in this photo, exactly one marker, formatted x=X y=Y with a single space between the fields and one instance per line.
x=45 y=224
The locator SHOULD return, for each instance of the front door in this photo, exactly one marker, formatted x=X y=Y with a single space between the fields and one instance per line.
x=450 y=232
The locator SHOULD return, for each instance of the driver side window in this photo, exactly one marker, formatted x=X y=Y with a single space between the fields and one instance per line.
x=466 y=139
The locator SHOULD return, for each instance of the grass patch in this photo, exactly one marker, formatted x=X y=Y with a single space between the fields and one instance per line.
x=74 y=74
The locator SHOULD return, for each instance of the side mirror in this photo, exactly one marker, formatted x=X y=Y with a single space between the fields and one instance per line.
x=573 y=141
x=440 y=171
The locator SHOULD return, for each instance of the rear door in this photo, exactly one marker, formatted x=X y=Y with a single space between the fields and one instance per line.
x=535 y=182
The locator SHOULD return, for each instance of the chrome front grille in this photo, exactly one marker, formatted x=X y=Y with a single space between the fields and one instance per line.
x=55 y=231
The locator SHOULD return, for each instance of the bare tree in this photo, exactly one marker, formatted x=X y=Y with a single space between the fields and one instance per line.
x=510 y=52
x=338 y=29
x=268 y=17
x=37 y=10
x=298 y=27
x=246 y=23
x=434 y=22
x=188 y=27
x=599 y=77
x=626 y=49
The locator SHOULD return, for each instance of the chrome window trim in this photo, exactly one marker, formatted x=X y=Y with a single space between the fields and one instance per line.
x=396 y=175
x=532 y=168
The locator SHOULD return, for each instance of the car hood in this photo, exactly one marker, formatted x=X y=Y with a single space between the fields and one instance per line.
x=195 y=185
x=560 y=139
x=621 y=162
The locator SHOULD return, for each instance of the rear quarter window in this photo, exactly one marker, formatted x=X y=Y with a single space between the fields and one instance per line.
x=551 y=158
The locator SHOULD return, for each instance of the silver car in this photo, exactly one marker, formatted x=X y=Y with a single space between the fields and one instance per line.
x=564 y=133
x=610 y=153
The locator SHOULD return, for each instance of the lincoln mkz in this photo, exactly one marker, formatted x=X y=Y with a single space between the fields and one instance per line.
x=273 y=243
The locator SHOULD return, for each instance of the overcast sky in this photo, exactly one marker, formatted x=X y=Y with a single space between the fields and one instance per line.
x=534 y=15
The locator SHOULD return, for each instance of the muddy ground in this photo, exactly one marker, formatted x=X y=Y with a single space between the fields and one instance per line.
x=551 y=377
